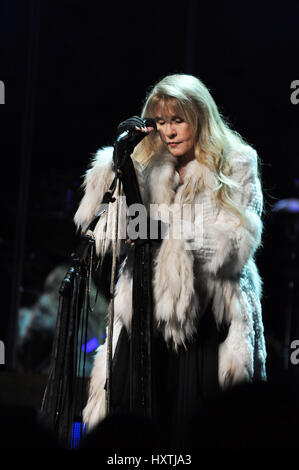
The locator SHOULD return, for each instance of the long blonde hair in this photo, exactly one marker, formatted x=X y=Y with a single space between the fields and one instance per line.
x=190 y=98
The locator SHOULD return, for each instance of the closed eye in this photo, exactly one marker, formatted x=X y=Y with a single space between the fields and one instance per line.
x=176 y=119
x=160 y=121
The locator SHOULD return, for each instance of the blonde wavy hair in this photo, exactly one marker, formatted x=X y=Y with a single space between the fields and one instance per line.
x=191 y=99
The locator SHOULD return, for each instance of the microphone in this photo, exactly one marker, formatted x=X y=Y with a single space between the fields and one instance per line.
x=150 y=122
x=128 y=137
x=128 y=127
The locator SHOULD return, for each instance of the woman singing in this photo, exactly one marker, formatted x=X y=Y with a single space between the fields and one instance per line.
x=201 y=179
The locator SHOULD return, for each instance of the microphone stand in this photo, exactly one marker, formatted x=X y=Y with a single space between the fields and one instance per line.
x=141 y=325
x=62 y=395
x=60 y=401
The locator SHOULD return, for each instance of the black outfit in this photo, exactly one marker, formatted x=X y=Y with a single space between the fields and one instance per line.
x=182 y=381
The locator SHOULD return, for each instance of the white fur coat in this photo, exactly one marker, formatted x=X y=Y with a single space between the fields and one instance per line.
x=205 y=256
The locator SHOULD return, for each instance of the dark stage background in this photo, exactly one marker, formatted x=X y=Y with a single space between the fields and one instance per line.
x=72 y=71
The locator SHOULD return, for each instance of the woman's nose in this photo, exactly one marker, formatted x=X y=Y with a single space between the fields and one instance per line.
x=170 y=130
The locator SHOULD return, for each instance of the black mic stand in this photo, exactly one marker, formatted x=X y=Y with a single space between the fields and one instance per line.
x=64 y=397
x=141 y=326
x=62 y=393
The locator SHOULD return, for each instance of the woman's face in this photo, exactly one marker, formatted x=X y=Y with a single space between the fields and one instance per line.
x=175 y=133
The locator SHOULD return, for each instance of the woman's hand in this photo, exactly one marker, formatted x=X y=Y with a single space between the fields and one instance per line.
x=134 y=123
x=129 y=133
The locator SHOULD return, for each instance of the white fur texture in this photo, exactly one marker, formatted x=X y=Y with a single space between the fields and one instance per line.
x=95 y=409
x=96 y=182
x=213 y=261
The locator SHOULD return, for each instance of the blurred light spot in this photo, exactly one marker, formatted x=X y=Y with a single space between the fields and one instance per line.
x=91 y=345
x=287 y=205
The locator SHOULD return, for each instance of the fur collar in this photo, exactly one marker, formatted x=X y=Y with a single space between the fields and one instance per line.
x=162 y=181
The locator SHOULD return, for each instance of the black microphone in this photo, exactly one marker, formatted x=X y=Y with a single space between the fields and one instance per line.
x=128 y=127
x=128 y=137
x=150 y=122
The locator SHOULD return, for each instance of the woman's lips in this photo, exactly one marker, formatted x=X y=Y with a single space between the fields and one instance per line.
x=173 y=144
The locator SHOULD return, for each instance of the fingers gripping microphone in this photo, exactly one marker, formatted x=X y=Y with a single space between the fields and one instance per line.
x=128 y=136
x=128 y=127
x=150 y=122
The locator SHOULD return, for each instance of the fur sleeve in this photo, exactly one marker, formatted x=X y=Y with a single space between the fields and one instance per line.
x=228 y=243
x=218 y=242
x=97 y=180
x=214 y=248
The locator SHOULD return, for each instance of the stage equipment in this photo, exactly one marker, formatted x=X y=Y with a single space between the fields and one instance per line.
x=65 y=393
